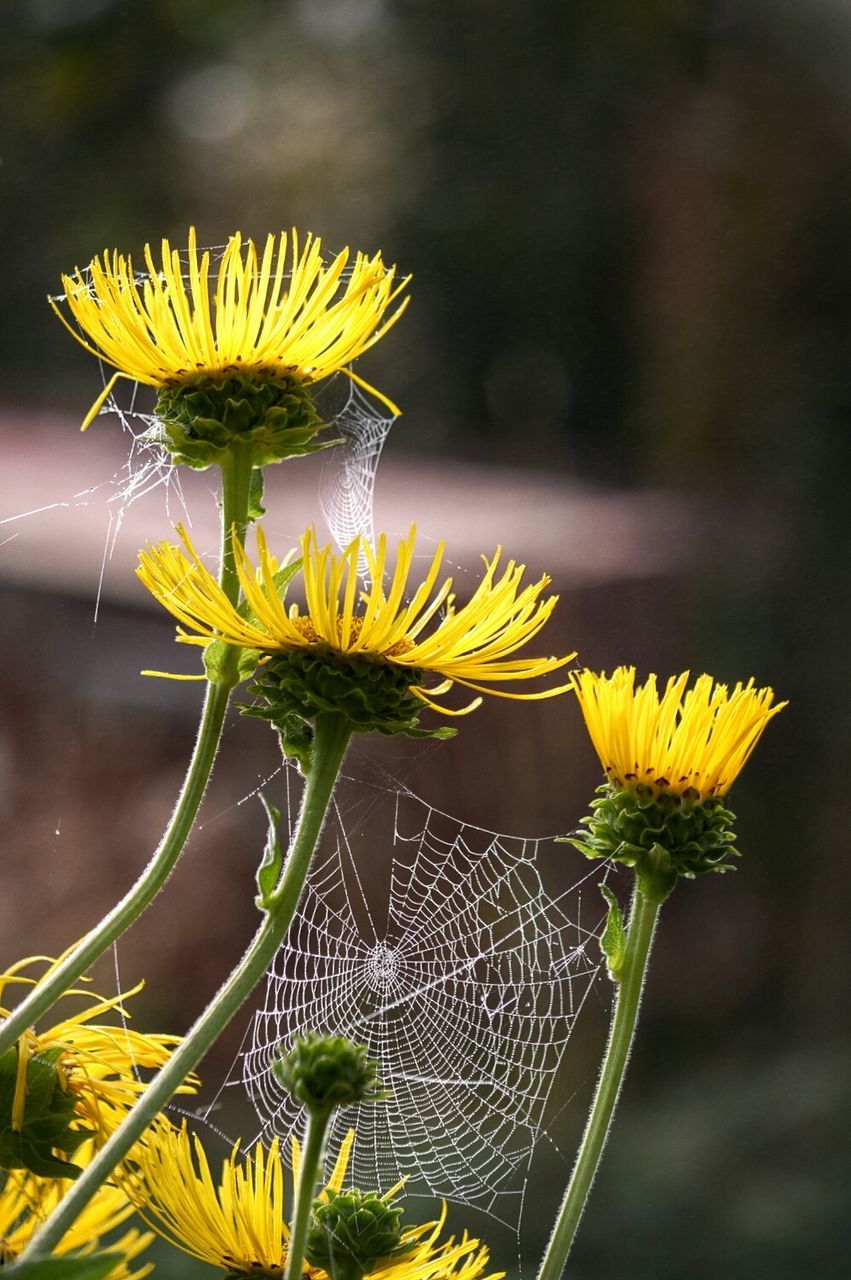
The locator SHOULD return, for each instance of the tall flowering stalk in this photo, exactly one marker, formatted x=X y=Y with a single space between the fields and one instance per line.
x=670 y=761
x=234 y=349
x=233 y=352
x=328 y=708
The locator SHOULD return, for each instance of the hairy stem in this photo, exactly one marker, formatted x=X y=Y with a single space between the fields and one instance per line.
x=329 y=748
x=311 y=1163
x=236 y=479
x=644 y=913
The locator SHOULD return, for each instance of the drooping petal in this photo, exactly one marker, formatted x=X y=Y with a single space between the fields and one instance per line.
x=240 y=1222
x=421 y=629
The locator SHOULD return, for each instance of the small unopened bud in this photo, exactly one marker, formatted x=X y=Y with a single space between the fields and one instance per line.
x=353 y=1233
x=325 y=1072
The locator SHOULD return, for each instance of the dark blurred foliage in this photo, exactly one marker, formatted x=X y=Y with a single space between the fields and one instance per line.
x=629 y=228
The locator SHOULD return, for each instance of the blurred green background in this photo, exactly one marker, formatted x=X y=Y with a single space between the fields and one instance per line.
x=628 y=225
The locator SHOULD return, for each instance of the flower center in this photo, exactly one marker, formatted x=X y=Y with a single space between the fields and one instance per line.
x=244 y=1270
x=649 y=782
x=306 y=627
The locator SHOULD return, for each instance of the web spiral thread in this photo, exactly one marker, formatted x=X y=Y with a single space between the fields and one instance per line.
x=466 y=995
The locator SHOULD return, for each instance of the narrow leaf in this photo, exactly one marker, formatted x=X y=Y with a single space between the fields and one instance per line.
x=613 y=938
x=269 y=870
x=255 y=495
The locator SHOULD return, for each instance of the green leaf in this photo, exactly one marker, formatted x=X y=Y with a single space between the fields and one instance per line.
x=215 y=656
x=282 y=579
x=95 y=1268
x=613 y=938
x=247 y=664
x=255 y=495
x=269 y=870
x=49 y=1126
x=296 y=735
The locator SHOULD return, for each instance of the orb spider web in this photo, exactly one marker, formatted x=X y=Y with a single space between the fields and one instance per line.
x=465 y=992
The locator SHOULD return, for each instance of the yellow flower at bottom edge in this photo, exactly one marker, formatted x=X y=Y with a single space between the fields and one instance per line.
x=693 y=740
x=97 y=1065
x=240 y=1223
x=426 y=633
x=27 y=1201
x=282 y=313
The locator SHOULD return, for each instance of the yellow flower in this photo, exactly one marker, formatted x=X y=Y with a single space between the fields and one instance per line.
x=27 y=1201
x=240 y=1222
x=96 y=1066
x=278 y=314
x=468 y=644
x=693 y=740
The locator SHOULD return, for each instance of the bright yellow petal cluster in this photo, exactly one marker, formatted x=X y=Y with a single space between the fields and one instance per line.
x=698 y=738
x=282 y=312
x=238 y=1223
x=99 y=1064
x=27 y=1201
x=467 y=645
x=241 y=1223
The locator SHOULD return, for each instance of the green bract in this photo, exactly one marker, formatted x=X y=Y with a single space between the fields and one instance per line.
x=276 y=416
x=660 y=834
x=298 y=684
x=50 y=1122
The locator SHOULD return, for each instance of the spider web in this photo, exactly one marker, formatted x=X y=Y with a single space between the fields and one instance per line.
x=347 y=479
x=465 y=987
x=146 y=467
x=348 y=475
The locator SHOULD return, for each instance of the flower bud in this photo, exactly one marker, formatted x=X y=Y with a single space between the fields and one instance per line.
x=352 y=1233
x=325 y=1072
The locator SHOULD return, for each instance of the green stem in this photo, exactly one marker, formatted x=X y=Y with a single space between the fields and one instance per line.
x=236 y=479
x=237 y=469
x=642 y=923
x=329 y=748
x=311 y=1162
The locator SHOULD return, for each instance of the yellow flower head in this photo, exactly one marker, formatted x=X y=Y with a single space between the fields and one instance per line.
x=417 y=634
x=670 y=761
x=93 y=1069
x=240 y=1223
x=272 y=314
x=693 y=740
x=27 y=1201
